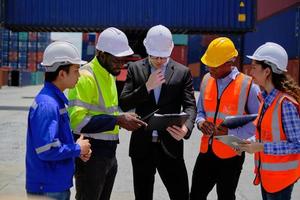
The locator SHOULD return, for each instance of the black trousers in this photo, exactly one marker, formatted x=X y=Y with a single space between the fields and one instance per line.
x=95 y=178
x=171 y=170
x=210 y=170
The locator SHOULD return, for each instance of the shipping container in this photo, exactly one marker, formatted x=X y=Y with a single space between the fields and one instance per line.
x=180 y=16
x=179 y=54
x=283 y=28
x=267 y=8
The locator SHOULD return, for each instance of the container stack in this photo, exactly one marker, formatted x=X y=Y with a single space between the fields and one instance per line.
x=31 y=54
x=23 y=48
x=88 y=46
x=277 y=21
x=20 y=55
x=13 y=50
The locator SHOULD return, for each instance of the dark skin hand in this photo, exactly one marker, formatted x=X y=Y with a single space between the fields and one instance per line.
x=209 y=128
x=130 y=121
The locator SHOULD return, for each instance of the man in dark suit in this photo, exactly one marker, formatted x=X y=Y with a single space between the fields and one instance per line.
x=158 y=82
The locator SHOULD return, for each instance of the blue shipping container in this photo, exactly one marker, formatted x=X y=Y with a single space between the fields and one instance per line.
x=180 y=16
x=283 y=28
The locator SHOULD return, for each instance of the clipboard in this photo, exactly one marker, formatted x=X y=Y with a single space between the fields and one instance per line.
x=230 y=140
x=160 y=122
x=238 y=120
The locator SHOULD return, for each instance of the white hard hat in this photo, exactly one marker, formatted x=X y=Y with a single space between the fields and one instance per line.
x=60 y=53
x=159 y=41
x=272 y=54
x=115 y=42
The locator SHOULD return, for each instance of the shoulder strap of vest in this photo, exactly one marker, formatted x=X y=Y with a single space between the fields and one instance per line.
x=204 y=83
x=249 y=80
x=245 y=90
x=290 y=98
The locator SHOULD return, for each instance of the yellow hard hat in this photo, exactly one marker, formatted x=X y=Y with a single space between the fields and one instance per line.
x=219 y=51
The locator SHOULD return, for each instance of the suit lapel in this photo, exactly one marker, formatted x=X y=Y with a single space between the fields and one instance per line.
x=147 y=71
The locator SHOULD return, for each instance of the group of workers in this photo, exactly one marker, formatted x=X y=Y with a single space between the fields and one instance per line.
x=157 y=83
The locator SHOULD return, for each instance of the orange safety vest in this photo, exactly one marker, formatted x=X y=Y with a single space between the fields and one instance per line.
x=232 y=102
x=275 y=172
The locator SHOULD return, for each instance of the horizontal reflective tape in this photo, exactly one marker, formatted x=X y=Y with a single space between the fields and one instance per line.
x=97 y=108
x=47 y=147
x=243 y=95
x=34 y=105
x=279 y=166
x=82 y=124
x=101 y=136
x=220 y=115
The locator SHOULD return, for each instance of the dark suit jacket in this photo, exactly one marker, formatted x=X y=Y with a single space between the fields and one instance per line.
x=177 y=94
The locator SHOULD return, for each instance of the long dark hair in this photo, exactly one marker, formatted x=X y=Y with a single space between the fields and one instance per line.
x=283 y=82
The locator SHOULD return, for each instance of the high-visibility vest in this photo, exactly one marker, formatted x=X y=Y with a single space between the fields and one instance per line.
x=232 y=102
x=95 y=93
x=275 y=172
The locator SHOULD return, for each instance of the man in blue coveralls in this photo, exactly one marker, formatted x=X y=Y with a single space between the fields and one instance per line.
x=51 y=149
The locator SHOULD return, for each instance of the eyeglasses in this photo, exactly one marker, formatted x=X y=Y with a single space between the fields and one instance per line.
x=158 y=58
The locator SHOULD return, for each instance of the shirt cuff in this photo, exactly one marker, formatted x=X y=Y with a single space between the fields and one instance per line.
x=77 y=150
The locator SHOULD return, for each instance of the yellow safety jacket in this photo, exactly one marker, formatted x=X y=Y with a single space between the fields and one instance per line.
x=95 y=93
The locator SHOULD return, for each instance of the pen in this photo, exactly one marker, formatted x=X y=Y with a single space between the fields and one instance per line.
x=149 y=115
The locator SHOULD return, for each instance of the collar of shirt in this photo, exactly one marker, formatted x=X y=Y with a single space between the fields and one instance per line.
x=234 y=72
x=55 y=89
x=269 y=98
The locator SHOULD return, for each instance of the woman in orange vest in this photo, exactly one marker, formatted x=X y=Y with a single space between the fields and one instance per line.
x=277 y=146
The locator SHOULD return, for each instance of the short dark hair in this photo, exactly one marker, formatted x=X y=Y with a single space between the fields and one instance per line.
x=51 y=76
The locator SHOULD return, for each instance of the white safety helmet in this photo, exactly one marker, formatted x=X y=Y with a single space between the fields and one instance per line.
x=272 y=54
x=60 y=53
x=159 y=41
x=115 y=42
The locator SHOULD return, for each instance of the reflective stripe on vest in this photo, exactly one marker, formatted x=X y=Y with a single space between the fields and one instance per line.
x=112 y=110
x=291 y=165
x=240 y=86
x=101 y=136
x=91 y=107
x=275 y=172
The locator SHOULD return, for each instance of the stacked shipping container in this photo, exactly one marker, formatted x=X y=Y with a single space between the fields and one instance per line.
x=280 y=26
x=20 y=55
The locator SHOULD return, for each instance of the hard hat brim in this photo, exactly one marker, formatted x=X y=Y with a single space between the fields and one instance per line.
x=128 y=52
x=255 y=58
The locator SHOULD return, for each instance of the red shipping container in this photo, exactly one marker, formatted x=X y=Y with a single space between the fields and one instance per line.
x=31 y=66
x=32 y=36
x=267 y=8
x=206 y=39
x=13 y=56
x=195 y=69
x=122 y=76
x=31 y=57
x=39 y=56
x=179 y=54
x=293 y=69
